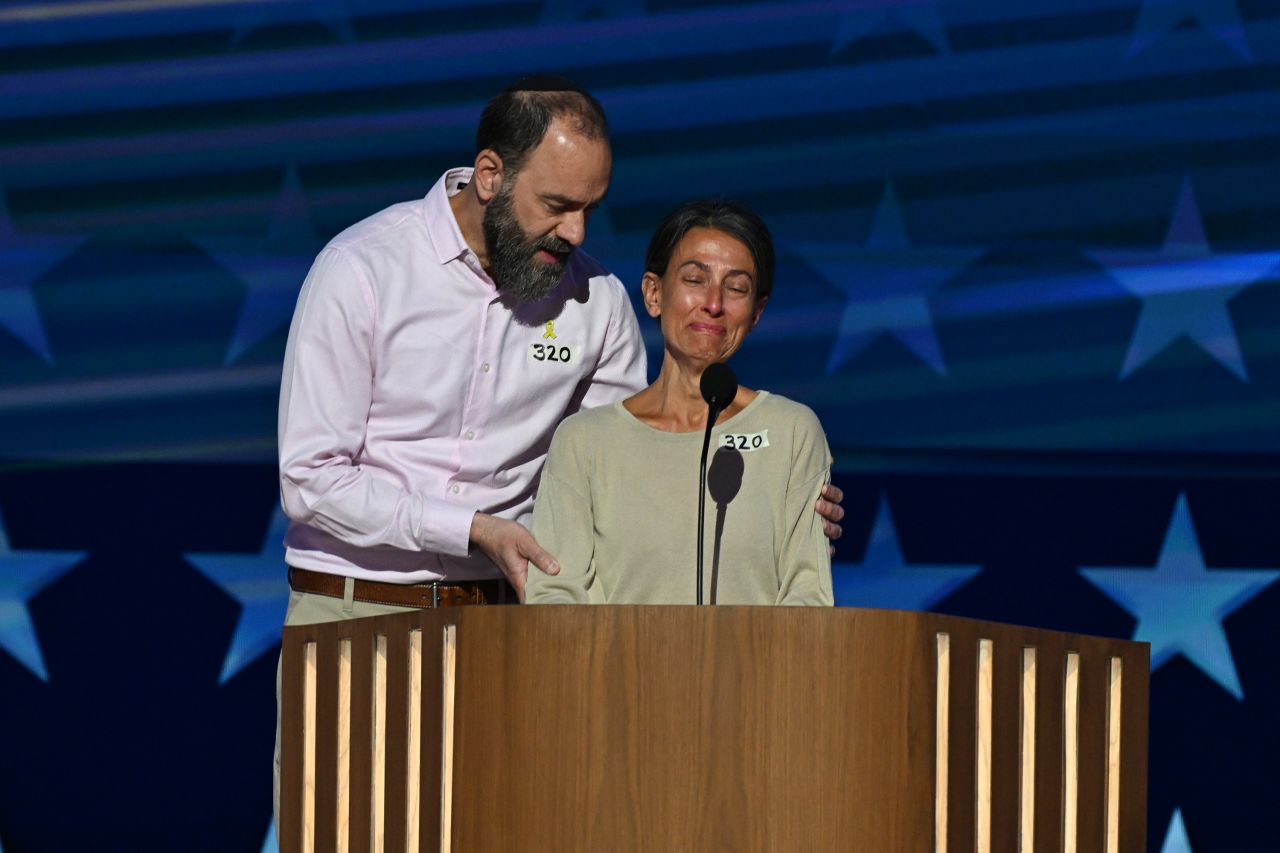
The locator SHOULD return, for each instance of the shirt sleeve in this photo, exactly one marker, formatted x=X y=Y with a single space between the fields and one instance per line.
x=622 y=369
x=563 y=523
x=804 y=560
x=325 y=395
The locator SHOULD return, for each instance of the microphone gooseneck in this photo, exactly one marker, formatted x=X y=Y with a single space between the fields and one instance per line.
x=719 y=386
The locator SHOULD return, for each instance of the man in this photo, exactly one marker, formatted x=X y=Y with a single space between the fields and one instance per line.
x=434 y=349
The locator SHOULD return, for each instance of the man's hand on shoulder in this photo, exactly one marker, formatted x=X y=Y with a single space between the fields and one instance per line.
x=829 y=508
x=511 y=548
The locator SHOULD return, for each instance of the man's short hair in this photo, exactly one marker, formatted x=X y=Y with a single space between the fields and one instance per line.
x=737 y=220
x=515 y=121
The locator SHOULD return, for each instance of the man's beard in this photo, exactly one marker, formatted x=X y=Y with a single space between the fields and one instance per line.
x=513 y=264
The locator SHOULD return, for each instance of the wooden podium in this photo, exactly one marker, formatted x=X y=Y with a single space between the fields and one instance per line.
x=708 y=729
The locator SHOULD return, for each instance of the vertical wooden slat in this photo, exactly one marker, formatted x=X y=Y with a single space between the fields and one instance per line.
x=448 y=693
x=342 y=784
x=942 y=741
x=429 y=762
x=1051 y=662
x=289 y=831
x=982 y=748
x=1027 y=754
x=1005 y=741
x=1115 y=699
x=378 y=771
x=962 y=796
x=413 y=750
x=362 y=673
x=326 y=741
x=309 y=749
x=1133 y=733
x=1094 y=676
x=397 y=735
x=1071 y=754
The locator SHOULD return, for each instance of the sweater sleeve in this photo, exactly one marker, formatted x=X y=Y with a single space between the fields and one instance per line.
x=804 y=561
x=563 y=524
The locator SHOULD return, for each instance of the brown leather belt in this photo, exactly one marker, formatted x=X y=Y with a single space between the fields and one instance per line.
x=453 y=594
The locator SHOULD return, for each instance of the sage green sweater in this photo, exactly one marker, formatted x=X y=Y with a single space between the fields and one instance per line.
x=618 y=507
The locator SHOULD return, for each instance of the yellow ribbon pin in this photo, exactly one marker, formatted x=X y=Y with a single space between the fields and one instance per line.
x=551 y=330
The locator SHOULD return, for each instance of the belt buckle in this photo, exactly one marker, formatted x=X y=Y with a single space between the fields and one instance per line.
x=435 y=595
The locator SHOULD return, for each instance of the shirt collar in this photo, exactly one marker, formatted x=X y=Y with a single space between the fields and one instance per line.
x=442 y=226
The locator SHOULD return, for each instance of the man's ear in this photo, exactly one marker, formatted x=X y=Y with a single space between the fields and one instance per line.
x=651 y=290
x=488 y=175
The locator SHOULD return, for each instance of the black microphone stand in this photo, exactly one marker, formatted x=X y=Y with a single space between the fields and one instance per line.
x=719 y=386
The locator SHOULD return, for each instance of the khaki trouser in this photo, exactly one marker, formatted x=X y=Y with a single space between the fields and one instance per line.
x=307 y=608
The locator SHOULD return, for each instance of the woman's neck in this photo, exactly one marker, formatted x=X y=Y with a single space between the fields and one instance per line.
x=673 y=403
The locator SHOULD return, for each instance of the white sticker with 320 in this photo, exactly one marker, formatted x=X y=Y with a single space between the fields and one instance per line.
x=552 y=353
x=745 y=441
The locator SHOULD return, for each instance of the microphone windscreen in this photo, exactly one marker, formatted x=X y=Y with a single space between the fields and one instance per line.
x=719 y=386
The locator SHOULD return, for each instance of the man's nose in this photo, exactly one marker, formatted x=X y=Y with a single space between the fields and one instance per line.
x=573 y=228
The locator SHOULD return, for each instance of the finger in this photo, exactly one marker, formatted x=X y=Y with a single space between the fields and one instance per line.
x=539 y=557
x=831 y=551
x=518 y=584
x=829 y=511
x=833 y=493
x=832 y=530
x=516 y=571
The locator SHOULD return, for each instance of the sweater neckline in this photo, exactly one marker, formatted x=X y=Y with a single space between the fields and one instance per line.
x=694 y=434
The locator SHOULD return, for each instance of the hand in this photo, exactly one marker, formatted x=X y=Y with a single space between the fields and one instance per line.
x=511 y=548
x=828 y=506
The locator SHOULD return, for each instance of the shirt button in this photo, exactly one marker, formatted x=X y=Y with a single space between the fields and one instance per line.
x=456 y=488
x=485 y=367
x=470 y=434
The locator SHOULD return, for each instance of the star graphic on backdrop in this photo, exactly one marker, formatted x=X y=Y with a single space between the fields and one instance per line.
x=1220 y=17
x=271 y=268
x=23 y=259
x=1175 y=838
x=884 y=580
x=561 y=11
x=260 y=583
x=888 y=283
x=22 y=575
x=1180 y=604
x=1185 y=288
x=333 y=14
x=860 y=17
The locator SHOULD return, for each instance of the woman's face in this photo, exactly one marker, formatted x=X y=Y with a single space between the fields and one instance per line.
x=706 y=301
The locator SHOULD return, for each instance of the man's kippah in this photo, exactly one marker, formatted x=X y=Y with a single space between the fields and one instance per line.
x=545 y=83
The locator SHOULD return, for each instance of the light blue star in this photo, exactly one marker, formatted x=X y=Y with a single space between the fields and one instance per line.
x=22 y=575
x=1185 y=288
x=1220 y=17
x=23 y=259
x=270 y=844
x=260 y=583
x=882 y=579
x=334 y=14
x=862 y=16
x=271 y=268
x=1180 y=604
x=888 y=284
x=1175 y=838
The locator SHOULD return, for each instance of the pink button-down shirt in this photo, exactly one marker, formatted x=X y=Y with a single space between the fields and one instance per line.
x=414 y=395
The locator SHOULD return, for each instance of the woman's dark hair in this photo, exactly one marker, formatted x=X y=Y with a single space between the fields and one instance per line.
x=515 y=121
x=737 y=220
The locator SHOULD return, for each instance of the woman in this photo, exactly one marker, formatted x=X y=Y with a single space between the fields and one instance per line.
x=618 y=499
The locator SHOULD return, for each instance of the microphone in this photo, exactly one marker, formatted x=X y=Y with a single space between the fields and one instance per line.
x=719 y=386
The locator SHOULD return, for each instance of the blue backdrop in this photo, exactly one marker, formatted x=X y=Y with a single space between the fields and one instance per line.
x=1029 y=279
